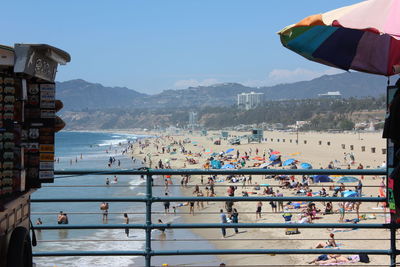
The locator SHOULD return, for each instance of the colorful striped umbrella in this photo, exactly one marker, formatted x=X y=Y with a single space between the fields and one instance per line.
x=363 y=37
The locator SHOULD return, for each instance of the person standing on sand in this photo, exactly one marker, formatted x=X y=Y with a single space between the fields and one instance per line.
x=166 y=205
x=191 y=207
x=235 y=219
x=223 y=220
x=342 y=212
x=280 y=203
x=258 y=210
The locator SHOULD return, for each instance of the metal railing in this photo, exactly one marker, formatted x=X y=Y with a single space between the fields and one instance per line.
x=149 y=199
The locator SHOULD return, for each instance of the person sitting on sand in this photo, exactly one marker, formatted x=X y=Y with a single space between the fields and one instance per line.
x=330 y=243
x=328 y=208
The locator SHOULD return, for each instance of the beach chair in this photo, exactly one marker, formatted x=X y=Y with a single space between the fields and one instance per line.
x=292 y=231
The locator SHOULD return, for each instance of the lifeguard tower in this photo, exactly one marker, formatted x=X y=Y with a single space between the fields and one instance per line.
x=256 y=135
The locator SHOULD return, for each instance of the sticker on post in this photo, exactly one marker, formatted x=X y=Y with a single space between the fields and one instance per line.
x=46 y=174
x=46 y=148
x=47 y=165
x=47 y=157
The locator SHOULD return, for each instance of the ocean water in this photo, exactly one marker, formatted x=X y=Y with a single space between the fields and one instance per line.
x=91 y=150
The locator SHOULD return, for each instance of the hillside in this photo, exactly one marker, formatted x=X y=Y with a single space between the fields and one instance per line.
x=82 y=95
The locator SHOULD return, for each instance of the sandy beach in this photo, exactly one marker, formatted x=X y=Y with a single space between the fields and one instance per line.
x=317 y=149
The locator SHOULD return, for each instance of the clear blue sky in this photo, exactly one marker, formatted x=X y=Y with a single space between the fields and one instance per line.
x=150 y=45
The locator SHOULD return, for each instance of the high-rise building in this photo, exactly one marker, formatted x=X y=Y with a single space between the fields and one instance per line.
x=249 y=100
x=192 y=120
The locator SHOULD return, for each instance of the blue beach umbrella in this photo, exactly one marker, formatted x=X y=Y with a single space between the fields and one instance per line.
x=321 y=178
x=288 y=162
x=305 y=165
x=273 y=157
x=347 y=179
x=229 y=150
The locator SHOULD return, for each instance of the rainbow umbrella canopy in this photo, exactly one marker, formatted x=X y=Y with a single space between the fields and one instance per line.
x=363 y=37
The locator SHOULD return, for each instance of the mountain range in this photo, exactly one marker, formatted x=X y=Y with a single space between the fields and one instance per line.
x=79 y=95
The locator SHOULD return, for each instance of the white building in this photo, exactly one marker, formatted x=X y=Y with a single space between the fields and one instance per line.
x=249 y=100
x=335 y=94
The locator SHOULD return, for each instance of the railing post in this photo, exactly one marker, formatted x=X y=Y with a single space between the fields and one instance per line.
x=149 y=196
x=393 y=245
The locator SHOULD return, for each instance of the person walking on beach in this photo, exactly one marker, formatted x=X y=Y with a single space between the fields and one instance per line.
x=126 y=221
x=258 y=210
x=223 y=220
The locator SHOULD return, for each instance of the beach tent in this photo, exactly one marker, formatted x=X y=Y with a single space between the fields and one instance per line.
x=305 y=165
x=228 y=166
x=321 y=178
x=288 y=162
x=215 y=164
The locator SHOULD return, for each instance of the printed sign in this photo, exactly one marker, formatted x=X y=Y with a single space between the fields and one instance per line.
x=47 y=157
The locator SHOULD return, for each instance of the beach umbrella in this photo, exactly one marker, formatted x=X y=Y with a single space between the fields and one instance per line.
x=228 y=166
x=305 y=165
x=229 y=150
x=208 y=151
x=321 y=178
x=363 y=37
x=288 y=162
x=273 y=157
x=349 y=193
x=275 y=152
x=347 y=179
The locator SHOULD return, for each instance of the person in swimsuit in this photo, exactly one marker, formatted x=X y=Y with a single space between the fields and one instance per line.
x=126 y=220
x=191 y=207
